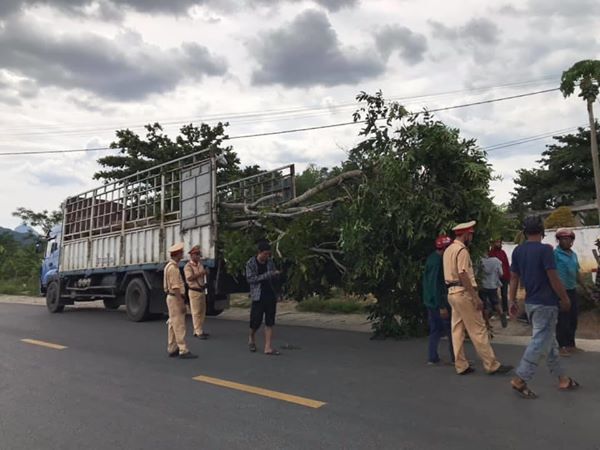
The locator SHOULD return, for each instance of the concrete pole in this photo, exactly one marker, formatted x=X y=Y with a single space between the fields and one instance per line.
x=595 y=161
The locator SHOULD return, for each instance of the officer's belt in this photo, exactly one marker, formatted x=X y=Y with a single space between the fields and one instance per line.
x=200 y=289
x=452 y=284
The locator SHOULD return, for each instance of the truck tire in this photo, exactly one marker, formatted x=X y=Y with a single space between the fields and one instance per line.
x=137 y=300
x=53 y=298
x=111 y=303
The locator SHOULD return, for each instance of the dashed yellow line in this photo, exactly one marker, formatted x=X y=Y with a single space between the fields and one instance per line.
x=263 y=392
x=44 y=344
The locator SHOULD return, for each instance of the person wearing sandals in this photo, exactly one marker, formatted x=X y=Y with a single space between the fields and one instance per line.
x=261 y=276
x=195 y=276
x=534 y=266
x=466 y=305
x=435 y=298
x=567 y=266
x=491 y=280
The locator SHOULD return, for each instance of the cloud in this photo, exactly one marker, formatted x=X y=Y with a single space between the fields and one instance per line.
x=122 y=69
x=410 y=46
x=336 y=5
x=307 y=52
x=475 y=32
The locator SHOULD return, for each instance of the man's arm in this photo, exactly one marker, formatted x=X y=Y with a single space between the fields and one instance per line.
x=559 y=289
x=252 y=275
x=512 y=293
x=465 y=281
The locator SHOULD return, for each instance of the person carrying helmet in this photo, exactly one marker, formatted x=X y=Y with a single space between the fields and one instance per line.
x=466 y=305
x=534 y=266
x=435 y=298
x=567 y=266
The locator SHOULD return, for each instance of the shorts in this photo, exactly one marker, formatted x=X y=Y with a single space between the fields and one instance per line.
x=489 y=297
x=266 y=308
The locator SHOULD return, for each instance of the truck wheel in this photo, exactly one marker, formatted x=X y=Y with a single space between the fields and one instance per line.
x=53 y=298
x=137 y=300
x=111 y=303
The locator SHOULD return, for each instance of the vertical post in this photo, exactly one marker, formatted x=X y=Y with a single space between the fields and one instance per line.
x=293 y=180
x=123 y=221
x=89 y=246
x=595 y=161
x=161 y=234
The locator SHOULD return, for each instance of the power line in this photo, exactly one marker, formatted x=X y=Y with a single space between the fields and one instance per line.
x=294 y=130
x=275 y=114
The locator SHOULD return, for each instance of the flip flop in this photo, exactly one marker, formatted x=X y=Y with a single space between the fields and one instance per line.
x=272 y=353
x=252 y=347
x=573 y=385
x=524 y=391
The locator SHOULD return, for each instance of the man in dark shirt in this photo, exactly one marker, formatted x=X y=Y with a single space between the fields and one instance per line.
x=435 y=299
x=261 y=274
x=534 y=266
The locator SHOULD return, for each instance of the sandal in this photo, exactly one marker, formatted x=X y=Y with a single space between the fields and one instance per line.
x=252 y=347
x=524 y=391
x=573 y=385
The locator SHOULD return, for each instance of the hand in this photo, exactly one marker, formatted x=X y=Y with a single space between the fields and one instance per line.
x=565 y=304
x=444 y=314
x=276 y=273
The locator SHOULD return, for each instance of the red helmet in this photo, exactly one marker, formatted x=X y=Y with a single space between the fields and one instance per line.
x=442 y=242
x=565 y=232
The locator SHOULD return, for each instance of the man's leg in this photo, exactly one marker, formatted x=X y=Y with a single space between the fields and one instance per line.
x=256 y=315
x=553 y=356
x=195 y=298
x=435 y=334
x=562 y=331
x=504 y=294
x=543 y=320
x=447 y=331
x=177 y=324
x=478 y=332
x=270 y=312
x=458 y=334
x=573 y=317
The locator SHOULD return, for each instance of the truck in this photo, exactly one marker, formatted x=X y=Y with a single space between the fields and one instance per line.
x=113 y=242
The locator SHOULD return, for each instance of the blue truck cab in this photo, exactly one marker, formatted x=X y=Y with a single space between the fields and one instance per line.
x=49 y=268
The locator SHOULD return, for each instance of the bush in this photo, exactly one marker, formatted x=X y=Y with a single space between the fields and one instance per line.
x=332 y=306
x=20 y=287
x=560 y=217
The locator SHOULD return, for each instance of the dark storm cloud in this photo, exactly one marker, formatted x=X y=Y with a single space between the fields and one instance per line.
x=477 y=31
x=410 y=46
x=307 y=52
x=122 y=69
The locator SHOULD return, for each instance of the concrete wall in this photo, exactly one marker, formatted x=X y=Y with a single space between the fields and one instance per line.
x=585 y=238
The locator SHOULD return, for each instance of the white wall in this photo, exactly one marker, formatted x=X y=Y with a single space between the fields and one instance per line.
x=585 y=238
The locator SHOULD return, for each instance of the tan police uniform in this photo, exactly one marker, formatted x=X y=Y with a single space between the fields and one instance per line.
x=195 y=276
x=465 y=315
x=176 y=324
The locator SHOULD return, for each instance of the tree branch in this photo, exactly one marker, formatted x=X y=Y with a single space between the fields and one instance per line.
x=321 y=187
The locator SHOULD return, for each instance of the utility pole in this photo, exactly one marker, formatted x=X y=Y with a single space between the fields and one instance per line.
x=595 y=160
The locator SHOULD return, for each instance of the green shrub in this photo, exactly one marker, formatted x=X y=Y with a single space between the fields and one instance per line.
x=332 y=306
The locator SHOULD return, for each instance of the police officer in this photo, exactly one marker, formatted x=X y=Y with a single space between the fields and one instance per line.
x=195 y=276
x=174 y=288
x=466 y=304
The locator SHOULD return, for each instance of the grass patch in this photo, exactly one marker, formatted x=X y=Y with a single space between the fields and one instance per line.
x=20 y=287
x=332 y=306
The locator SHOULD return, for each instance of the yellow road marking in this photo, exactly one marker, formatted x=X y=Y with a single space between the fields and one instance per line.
x=260 y=391
x=44 y=344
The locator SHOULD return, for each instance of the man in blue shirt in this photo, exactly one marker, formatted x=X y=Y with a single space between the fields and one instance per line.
x=533 y=265
x=567 y=266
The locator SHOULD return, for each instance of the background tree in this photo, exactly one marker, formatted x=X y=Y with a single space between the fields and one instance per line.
x=420 y=178
x=586 y=74
x=138 y=154
x=44 y=220
x=560 y=217
x=564 y=177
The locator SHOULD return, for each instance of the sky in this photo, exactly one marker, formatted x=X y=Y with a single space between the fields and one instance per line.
x=74 y=71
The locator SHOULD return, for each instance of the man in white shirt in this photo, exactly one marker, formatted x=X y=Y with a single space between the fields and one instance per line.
x=491 y=280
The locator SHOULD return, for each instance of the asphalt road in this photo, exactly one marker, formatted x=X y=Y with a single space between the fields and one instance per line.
x=113 y=387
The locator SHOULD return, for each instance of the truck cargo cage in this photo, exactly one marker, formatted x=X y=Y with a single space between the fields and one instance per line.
x=280 y=181
x=146 y=198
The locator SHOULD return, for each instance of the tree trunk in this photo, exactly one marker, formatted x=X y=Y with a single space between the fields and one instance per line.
x=595 y=161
